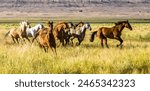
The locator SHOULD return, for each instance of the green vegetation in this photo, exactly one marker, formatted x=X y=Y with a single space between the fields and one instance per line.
x=87 y=58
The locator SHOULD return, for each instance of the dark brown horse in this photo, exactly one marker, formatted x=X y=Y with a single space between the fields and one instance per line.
x=46 y=38
x=113 y=33
x=60 y=32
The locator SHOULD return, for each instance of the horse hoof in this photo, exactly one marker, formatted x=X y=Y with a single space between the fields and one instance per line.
x=77 y=44
x=117 y=46
x=121 y=46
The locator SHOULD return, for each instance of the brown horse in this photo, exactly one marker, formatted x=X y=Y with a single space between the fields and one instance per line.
x=60 y=32
x=19 y=32
x=113 y=33
x=46 y=38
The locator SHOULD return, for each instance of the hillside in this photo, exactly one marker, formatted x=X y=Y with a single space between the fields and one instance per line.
x=76 y=8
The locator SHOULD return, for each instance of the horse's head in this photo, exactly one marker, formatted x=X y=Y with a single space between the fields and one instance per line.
x=70 y=25
x=88 y=26
x=127 y=25
x=80 y=24
x=24 y=25
x=65 y=26
x=50 y=23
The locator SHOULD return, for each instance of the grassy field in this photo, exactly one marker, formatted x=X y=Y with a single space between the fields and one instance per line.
x=87 y=58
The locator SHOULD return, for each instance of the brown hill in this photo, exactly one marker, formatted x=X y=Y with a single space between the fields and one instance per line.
x=76 y=8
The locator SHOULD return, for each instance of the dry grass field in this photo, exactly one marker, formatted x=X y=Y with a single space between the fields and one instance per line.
x=89 y=58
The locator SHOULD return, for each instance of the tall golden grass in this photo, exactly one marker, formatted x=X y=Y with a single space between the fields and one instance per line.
x=88 y=58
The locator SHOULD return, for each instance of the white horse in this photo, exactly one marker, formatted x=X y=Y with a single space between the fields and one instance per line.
x=80 y=32
x=31 y=32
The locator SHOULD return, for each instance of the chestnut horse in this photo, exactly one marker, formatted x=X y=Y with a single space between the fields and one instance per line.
x=113 y=33
x=61 y=32
x=19 y=32
x=46 y=38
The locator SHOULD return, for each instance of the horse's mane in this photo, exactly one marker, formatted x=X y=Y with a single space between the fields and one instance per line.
x=62 y=22
x=59 y=23
x=120 y=22
x=79 y=23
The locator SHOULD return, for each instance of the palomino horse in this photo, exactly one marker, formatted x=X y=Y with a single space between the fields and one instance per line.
x=113 y=33
x=31 y=32
x=60 y=32
x=80 y=33
x=46 y=38
x=20 y=32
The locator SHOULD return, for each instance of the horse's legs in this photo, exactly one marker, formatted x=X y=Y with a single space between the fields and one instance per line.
x=72 y=40
x=22 y=39
x=62 y=41
x=27 y=39
x=121 y=41
x=17 y=40
x=102 y=42
x=67 y=40
x=44 y=49
x=35 y=37
x=55 y=51
x=58 y=42
x=13 y=39
x=80 y=40
x=105 y=40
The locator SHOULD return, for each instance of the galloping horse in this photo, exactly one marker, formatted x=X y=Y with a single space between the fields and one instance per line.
x=80 y=32
x=20 y=32
x=113 y=33
x=31 y=32
x=46 y=38
x=60 y=32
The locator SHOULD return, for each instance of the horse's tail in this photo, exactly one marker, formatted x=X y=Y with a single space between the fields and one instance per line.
x=92 y=36
x=6 y=34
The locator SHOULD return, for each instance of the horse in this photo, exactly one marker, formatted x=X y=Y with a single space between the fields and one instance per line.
x=113 y=33
x=46 y=38
x=79 y=33
x=31 y=32
x=61 y=32
x=72 y=29
x=18 y=33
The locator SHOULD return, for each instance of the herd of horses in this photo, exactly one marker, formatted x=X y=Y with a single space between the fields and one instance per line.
x=63 y=33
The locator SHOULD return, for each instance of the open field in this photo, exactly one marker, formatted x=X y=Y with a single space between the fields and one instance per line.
x=87 y=58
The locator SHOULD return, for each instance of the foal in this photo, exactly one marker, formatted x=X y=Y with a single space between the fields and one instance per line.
x=46 y=38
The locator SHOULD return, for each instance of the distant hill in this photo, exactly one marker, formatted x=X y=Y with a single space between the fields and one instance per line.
x=76 y=8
